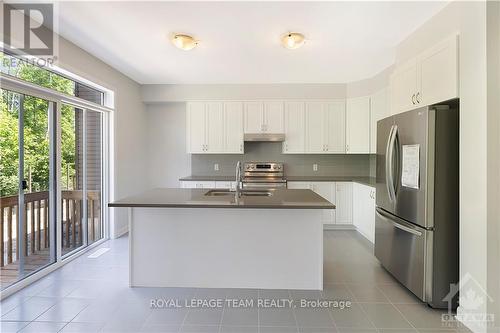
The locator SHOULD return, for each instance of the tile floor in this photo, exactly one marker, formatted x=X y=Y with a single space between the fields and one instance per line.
x=92 y=295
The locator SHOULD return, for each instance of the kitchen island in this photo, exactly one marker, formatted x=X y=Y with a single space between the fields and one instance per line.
x=217 y=239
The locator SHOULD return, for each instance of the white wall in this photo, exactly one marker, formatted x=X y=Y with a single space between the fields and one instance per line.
x=493 y=72
x=129 y=124
x=160 y=93
x=469 y=20
x=166 y=145
x=369 y=86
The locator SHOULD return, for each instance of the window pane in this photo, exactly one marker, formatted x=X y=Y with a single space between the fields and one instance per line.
x=28 y=71
x=9 y=185
x=25 y=241
x=94 y=175
x=71 y=178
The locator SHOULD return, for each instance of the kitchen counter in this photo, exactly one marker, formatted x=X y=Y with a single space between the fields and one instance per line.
x=270 y=242
x=370 y=181
x=196 y=198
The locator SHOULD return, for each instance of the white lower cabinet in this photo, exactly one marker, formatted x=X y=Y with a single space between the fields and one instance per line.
x=338 y=193
x=197 y=184
x=225 y=185
x=343 y=203
x=364 y=210
x=327 y=191
x=208 y=184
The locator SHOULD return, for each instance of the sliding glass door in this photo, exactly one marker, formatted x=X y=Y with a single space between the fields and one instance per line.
x=26 y=186
x=94 y=174
x=29 y=194
x=81 y=177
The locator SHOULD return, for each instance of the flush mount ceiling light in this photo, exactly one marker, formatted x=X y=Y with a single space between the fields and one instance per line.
x=184 y=42
x=293 y=40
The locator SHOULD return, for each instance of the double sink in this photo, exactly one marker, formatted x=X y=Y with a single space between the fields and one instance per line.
x=243 y=193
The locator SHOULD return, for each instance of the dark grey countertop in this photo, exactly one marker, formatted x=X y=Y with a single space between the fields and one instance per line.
x=370 y=181
x=196 y=198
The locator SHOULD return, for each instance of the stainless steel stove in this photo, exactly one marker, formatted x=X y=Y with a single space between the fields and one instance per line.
x=264 y=175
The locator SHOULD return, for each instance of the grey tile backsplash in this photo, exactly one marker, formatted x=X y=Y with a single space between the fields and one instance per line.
x=295 y=165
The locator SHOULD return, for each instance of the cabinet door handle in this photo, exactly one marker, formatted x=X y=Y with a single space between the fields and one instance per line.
x=326 y=147
x=413 y=99
x=347 y=147
x=241 y=147
x=417 y=97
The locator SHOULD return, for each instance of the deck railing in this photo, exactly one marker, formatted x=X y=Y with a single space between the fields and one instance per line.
x=36 y=233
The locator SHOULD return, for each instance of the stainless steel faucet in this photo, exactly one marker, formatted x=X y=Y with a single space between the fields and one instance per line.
x=238 y=178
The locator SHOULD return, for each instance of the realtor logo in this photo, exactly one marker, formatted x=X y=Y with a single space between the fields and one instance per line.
x=28 y=27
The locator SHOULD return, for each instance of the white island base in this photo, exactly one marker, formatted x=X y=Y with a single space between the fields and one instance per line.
x=226 y=248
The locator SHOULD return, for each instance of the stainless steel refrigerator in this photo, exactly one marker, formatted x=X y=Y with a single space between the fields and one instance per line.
x=416 y=228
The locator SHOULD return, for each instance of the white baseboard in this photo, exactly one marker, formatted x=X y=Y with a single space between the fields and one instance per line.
x=120 y=232
x=475 y=327
x=338 y=227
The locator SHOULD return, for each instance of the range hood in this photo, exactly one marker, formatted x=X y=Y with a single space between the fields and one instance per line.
x=269 y=137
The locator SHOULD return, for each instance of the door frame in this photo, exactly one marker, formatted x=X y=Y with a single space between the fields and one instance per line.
x=56 y=99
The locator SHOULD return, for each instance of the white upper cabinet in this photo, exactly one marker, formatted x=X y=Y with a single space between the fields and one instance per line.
x=294 y=128
x=379 y=109
x=335 y=127
x=196 y=127
x=214 y=127
x=315 y=127
x=264 y=117
x=325 y=127
x=273 y=117
x=233 y=127
x=404 y=87
x=429 y=78
x=254 y=116
x=439 y=73
x=358 y=125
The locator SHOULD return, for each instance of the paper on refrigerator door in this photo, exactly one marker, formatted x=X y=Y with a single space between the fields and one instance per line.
x=411 y=166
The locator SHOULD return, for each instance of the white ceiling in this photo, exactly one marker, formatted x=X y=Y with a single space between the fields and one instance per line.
x=348 y=41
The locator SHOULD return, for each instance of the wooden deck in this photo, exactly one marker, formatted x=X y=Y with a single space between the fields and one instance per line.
x=35 y=233
x=10 y=273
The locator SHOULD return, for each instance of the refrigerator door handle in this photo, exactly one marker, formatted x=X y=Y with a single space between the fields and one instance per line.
x=388 y=178
x=397 y=225
x=390 y=157
x=395 y=150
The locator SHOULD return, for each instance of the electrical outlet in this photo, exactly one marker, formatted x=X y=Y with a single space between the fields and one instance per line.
x=315 y=167
x=216 y=166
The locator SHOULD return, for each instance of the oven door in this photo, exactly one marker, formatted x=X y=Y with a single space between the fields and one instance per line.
x=263 y=185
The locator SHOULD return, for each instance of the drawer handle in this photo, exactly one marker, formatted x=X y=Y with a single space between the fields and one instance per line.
x=400 y=226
